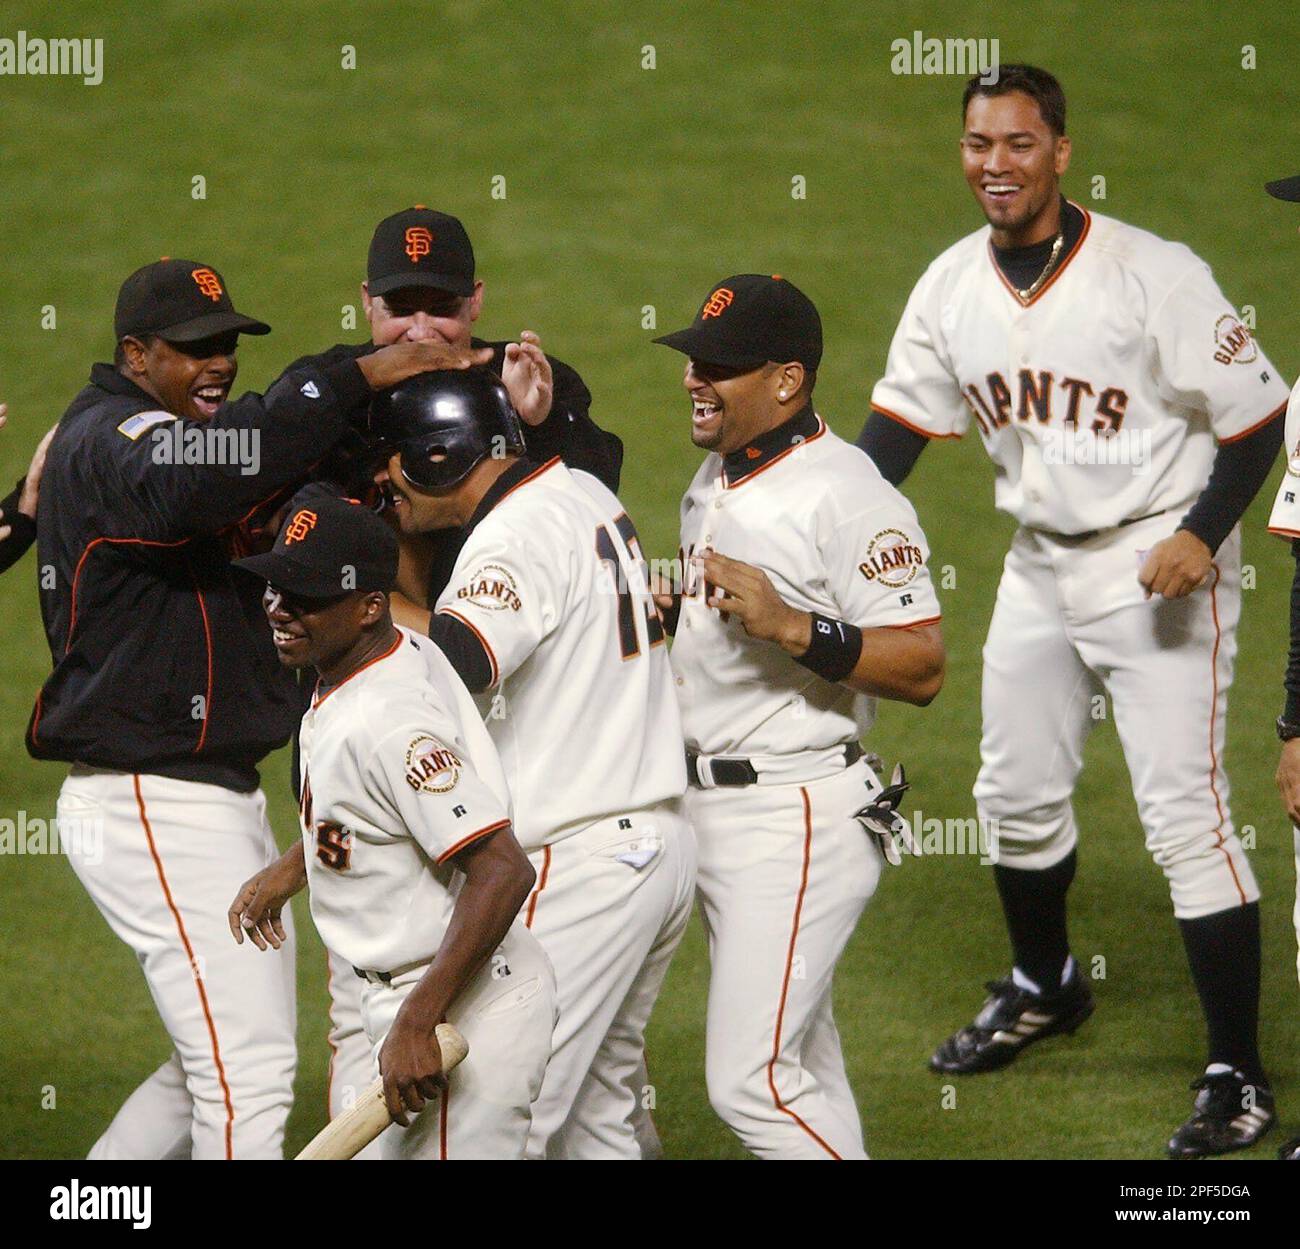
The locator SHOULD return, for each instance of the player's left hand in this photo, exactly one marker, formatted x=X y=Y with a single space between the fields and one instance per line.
x=527 y=375
x=1288 y=779
x=410 y=1062
x=750 y=596
x=1176 y=566
x=261 y=900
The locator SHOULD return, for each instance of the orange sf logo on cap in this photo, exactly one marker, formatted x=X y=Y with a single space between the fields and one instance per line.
x=418 y=242
x=718 y=302
x=208 y=283
x=300 y=526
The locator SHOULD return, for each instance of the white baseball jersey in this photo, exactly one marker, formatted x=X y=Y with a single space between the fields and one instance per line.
x=553 y=582
x=1100 y=398
x=1284 y=520
x=834 y=537
x=398 y=776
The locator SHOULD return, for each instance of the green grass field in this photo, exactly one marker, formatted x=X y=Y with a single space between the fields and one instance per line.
x=628 y=187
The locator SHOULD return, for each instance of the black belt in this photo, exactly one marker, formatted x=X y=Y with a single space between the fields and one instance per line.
x=734 y=771
x=1068 y=538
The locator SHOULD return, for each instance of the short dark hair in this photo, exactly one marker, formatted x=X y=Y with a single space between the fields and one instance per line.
x=1036 y=83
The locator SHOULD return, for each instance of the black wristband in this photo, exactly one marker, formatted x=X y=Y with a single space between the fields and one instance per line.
x=834 y=650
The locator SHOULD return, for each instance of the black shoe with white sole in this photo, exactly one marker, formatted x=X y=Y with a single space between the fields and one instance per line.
x=1010 y=1019
x=1229 y=1113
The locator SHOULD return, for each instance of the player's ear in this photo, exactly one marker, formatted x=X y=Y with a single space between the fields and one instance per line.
x=366 y=302
x=1062 y=162
x=789 y=381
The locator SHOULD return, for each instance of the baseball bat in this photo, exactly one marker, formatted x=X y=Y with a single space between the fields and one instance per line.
x=347 y=1134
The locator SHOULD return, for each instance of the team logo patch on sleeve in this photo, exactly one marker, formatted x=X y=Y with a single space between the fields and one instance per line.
x=1293 y=461
x=1233 y=342
x=136 y=425
x=430 y=767
x=892 y=559
x=492 y=587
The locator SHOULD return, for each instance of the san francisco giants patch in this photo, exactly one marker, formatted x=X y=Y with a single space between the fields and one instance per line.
x=1233 y=342
x=430 y=767
x=892 y=559
x=1293 y=461
x=491 y=587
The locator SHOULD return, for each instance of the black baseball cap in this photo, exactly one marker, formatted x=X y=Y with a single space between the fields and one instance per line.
x=749 y=319
x=1285 y=188
x=420 y=247
x=180 y=301
x=327 y=547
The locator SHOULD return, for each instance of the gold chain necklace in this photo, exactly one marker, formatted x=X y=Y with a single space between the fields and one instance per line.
x=1033 y=290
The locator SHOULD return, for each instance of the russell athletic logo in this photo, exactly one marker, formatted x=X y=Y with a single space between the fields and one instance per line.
x=418 y=242
x=208 y=283
x=300 y=526
x=717 y=303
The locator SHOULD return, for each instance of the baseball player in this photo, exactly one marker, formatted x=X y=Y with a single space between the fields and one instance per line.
x=166 y=693
x=421 y=286
x=548 y=616
x=806 y=597
x=1130 y=417
x=1285 y=522
x=416 y=878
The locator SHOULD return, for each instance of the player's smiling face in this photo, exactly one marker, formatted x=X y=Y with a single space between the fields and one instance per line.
x=311 y=632
x=190 y=380
x=1013 y=164
x=730 y=406
x=416 y=313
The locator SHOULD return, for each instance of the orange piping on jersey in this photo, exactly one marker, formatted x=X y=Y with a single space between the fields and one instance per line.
x=1214 y=757
x=194 y=969
x=776 y=459
x=541 y=884
x=1065 y=264
x=533 y=476
x=1281 y=533
x=316 y=702
x=785 y=981
x=469 y=624
x=465 y=841
x=903 y=421
x=1246 y=433
x=916 y=624
x=207 y=643
x=76 y=576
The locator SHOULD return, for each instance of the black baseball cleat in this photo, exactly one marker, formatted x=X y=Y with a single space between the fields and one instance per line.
x=1010 y=1019
x=1290 y=1152
x=1229 y=1113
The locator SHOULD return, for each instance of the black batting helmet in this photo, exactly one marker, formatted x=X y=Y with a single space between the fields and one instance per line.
x=461 y=415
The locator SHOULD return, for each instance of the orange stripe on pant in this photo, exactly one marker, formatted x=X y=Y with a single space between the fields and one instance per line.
x=785 y=980
x=541 y=884
x=1214 y=757
x=194 y=969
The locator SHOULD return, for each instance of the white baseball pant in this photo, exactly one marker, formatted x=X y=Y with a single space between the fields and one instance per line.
x=784 y=874
x=171 y=856
x=610 y=907
x=1072 y=625
x=506 y=1015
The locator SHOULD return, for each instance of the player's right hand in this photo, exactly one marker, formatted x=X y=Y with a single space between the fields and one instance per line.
x=398 y=361
x=410 y=1062
x=1288 y=779
x=261 y=899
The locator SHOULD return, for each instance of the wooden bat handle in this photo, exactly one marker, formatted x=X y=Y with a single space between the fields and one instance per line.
x=347 y=1134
